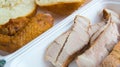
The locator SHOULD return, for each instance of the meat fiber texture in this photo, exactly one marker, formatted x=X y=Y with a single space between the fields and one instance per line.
x=107 y=13
x=66 y=47
x=102 y=43
x=112 y=60
x=73 y=39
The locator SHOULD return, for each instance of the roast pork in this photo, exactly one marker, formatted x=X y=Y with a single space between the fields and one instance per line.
x=113 y=59
x=66 y=47
x=102 y=43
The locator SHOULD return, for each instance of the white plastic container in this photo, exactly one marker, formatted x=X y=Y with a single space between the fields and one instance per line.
x=32 y=55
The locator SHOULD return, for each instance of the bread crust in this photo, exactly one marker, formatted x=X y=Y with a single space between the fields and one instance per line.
x=62 y=8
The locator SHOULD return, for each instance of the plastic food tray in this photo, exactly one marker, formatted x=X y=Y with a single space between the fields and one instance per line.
x=32 y=55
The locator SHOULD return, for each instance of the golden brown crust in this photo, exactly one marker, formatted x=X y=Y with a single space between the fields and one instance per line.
x=37 y=25
x=113 y=60
x=4 y=42
x=13 y=26
x=63 y=8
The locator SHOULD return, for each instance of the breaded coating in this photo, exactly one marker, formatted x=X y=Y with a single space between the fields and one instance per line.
x=5 y=40
x=113 y=60
x=13 y=26
x=37 y=25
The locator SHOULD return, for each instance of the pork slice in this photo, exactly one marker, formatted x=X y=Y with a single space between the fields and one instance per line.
x=95 y=30
x=107 y=13
x=112 y=60
x=55 y=48
x=100 y=48
x=78 y=38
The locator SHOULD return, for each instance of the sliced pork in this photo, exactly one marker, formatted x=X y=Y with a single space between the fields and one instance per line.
x=61 y=52
x=56 y=47
x=78 y=38
x=66 y=47
x=95 y=30
x=113 y=59
x=102 y=43
x=107 y=13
